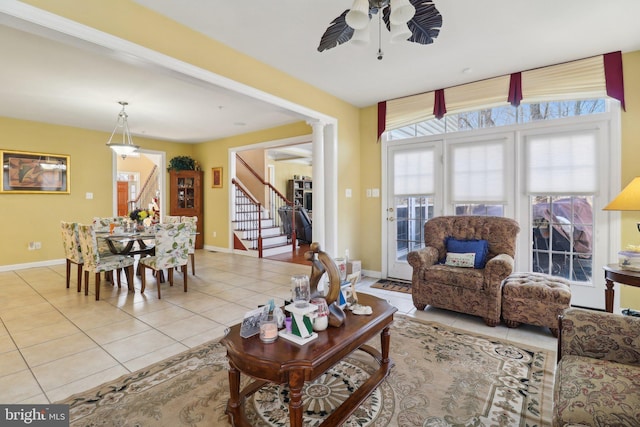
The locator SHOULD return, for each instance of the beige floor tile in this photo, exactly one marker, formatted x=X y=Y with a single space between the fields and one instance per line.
x=12 y=362
x=138 y=345
x=6 y=343
x=185 y=328
x=43 y=334
x=73 y=368
x=19 y=387
x=155 y=356
x=203 y=337
x=117 y=330
x=166 y=316
x=58 y=348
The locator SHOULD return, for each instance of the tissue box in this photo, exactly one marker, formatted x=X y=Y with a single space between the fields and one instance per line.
x=628 y=260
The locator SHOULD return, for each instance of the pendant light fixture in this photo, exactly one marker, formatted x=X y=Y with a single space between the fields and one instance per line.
x=126 y=146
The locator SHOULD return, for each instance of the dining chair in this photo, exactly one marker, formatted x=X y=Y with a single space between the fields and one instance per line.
x=98 y=263
x=171 y=219
x=192 y=220
x=72 y=249
x=101 y=224
x=172 y=250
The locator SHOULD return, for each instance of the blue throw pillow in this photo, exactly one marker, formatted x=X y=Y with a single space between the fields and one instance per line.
x=479 y=247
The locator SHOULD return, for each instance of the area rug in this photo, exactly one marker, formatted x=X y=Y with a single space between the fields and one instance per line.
x=393 y=285
x=441 y=377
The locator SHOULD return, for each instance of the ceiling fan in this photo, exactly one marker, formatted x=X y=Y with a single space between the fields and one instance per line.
x=417 y=21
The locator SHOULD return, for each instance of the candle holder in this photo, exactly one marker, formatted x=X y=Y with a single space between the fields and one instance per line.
x=268 y=329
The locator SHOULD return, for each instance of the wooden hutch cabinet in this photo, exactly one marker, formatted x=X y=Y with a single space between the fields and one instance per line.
x=185 y=188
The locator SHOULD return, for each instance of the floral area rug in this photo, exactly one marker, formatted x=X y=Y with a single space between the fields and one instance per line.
x=441 y=377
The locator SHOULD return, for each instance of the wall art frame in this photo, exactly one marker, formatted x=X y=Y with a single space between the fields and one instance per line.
x=26 y=172
x=216 y=180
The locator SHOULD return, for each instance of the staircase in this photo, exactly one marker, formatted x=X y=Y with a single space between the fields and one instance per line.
x=250 y=236
x=256 y=224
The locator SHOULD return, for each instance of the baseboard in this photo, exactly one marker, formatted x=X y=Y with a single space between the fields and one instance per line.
x=47 y=263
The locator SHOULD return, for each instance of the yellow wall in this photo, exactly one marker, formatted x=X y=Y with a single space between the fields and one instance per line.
x=630 y=167
x=36 y=217
x=284 y=171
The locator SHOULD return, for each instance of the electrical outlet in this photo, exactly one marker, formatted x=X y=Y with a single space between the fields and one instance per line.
x=38 y=245
x=31 y=246
x=368 y=192
x=375 y=192
x=215 y=234
x=347 y=192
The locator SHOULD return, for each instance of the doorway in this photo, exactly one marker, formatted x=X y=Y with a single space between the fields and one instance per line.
x=140 y=180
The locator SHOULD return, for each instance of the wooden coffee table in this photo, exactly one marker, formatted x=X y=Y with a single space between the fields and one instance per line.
x=284 y=362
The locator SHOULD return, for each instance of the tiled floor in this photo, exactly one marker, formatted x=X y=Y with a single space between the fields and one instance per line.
x=55 y=342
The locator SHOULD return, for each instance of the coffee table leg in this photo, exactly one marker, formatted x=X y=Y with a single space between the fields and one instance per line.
x=385 y=343
x=233 y=406
x=296 y=382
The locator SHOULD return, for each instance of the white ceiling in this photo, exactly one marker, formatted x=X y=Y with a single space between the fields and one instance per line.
x=50 y=77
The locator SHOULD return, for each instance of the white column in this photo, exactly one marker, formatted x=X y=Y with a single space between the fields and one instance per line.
x=331 y=189
x=317 y=139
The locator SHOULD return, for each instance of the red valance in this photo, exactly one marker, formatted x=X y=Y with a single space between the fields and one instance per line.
x=515 y=89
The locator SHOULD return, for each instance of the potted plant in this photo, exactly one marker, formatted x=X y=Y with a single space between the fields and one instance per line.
x=183 y=163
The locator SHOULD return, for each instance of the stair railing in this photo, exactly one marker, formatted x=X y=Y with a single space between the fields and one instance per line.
x=274 y=200
x=147 y=192
x=245 y=206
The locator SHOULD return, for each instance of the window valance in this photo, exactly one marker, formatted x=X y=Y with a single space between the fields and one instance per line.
x=595 y=77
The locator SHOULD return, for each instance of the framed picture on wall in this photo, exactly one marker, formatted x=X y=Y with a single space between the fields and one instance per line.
x=217 y=177
x=25 y=172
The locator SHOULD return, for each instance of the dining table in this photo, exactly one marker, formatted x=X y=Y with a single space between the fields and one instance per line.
x=130 y=242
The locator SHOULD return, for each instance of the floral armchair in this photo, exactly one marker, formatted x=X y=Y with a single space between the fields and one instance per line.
x=471 y=286
x=597 y=380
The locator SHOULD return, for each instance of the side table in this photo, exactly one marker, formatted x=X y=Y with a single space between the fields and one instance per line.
x=613 y=273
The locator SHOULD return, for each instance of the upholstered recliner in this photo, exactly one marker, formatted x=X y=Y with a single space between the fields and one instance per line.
x=473 y=290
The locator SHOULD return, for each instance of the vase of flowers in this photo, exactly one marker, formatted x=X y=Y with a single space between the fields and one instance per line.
x=138 y=216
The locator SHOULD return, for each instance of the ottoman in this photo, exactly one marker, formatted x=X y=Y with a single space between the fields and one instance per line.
x=535 y=299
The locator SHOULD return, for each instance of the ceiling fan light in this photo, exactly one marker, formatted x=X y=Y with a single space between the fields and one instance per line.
x=361 y=37
x=399 y=33
x=358 y=16
x=401 y=12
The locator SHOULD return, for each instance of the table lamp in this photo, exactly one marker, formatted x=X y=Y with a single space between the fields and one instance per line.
x=628 y=199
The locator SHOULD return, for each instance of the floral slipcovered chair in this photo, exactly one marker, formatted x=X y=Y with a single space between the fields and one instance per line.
x=98 y=263
x=101 y=224
x=463 y=264
x=597 y=380
x=72 y=250
x=172 y=250
x=171 y=219
x=191 y=220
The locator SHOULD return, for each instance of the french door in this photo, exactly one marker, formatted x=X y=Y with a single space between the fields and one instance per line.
x=413 y=172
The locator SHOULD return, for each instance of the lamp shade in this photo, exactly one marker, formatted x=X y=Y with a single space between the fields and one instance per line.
x=399 y=33
x=361 y=37
x=628 y=199
x=401 y=12
x=358 y=16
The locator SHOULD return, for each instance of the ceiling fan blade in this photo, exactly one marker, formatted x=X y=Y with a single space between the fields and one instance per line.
x=426 y=23
x=337 y=33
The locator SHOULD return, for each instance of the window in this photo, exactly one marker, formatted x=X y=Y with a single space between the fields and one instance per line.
x=500 y=116
x=414 y=182
x=547 y=169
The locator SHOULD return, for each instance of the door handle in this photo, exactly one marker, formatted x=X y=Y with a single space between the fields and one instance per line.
x=391 y=219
